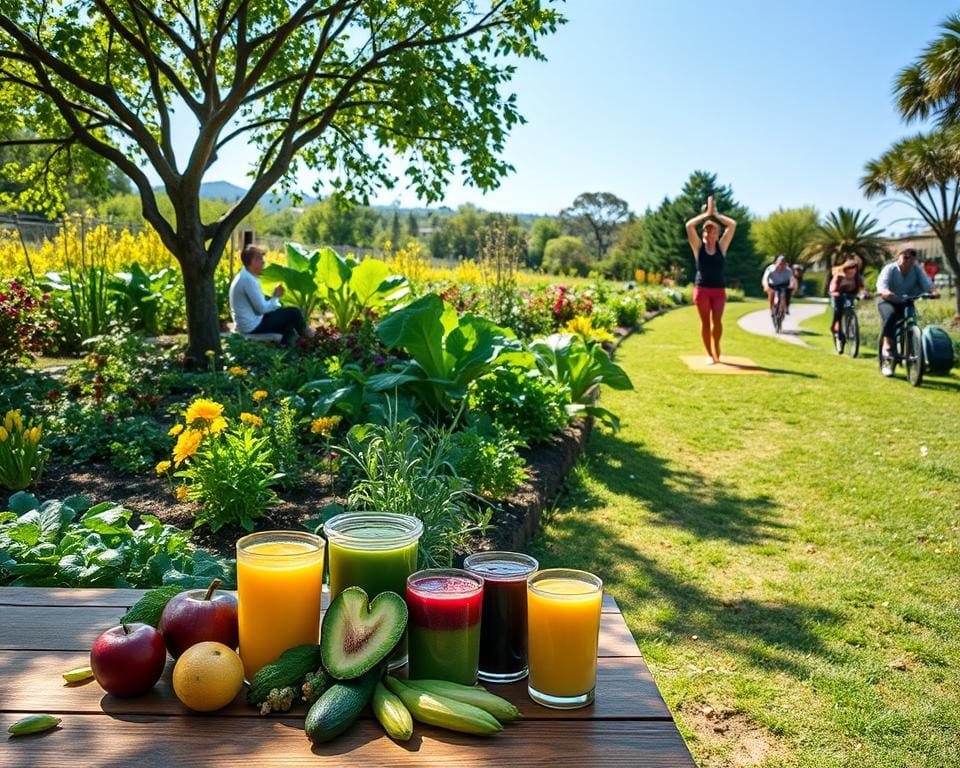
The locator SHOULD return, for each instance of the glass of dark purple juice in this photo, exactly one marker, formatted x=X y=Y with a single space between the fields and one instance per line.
x=503 y=628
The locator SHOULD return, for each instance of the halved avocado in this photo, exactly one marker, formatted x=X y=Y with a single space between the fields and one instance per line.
x=355 y=636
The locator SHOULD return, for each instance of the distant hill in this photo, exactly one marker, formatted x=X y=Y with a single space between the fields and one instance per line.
x=224 y=190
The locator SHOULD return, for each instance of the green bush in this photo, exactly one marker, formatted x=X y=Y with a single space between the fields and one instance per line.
x=527 y=403
x=491 y=465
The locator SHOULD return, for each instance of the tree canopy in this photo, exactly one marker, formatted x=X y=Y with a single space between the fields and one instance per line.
x=844 y=234
x=930 y=86
x=595 y=218
x=337 y=86
x=787 y=231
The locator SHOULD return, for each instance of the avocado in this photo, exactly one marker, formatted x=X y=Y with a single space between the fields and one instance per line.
x=355 y=637
x=339 y=706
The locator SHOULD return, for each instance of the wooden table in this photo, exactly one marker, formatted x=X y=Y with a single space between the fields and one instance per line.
x=44 y=632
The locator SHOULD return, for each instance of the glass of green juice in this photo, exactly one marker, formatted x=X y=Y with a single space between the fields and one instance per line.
x=375 y=551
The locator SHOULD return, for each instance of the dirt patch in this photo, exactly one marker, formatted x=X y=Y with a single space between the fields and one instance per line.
x=728 y=739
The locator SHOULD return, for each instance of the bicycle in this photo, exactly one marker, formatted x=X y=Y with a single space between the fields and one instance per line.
x=779 y=306
x=848 y=340
x=908 y=341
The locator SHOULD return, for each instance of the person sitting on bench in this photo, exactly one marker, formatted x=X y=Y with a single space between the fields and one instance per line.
x=252 y=312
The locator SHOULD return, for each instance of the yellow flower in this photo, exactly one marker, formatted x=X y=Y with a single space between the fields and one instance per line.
x=324 y=425
x=33 y=435
x=208 y=410
x=163 y=466
x=259 y=395
x=251 y=418
x=186 y=446
x=217 y=425
x=175 y=430
x=8 y=421
x=236 y=370
x=182 y=493
x=4 y=434
x=18 y=420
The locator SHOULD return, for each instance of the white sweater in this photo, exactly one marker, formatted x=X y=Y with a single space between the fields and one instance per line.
x=248 y=305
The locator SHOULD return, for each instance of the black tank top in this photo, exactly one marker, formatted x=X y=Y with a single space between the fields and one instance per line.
x=709 y=268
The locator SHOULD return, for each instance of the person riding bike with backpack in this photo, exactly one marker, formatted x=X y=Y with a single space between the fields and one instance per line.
x=846 y=283
x=897 y=280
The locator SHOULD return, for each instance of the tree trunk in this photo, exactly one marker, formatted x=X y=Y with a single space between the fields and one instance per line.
x=203 y=321
x=950 y=255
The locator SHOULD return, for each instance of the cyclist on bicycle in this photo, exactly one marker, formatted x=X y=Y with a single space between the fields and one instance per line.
x=845 y=284
x=899 y=281
x=778 y=276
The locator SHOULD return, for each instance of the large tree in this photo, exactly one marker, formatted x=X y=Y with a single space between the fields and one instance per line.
x=595 y=218
x=926 y=170
x=326 y=84
x=787 y=231
x=665 y=247
x=930 y=86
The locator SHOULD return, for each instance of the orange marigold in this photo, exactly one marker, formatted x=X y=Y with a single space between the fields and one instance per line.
x=259 y=395
x=186 y=446
x=251 y=418
x=208 y=410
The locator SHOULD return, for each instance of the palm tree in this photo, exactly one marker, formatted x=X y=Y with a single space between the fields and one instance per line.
x=926 y=169
x=931 y=85
x=846 y=234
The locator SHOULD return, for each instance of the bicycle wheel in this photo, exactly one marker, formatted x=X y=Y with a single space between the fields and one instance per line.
x=851 y=330
x=778 y=315
x=913 y=355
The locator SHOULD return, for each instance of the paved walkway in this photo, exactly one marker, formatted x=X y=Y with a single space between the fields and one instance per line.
x=761 y=324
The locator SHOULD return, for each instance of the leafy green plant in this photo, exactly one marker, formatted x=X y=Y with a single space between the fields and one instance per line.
x=348 y=394
x=70 y=543
x=405 y=469
x=285 y=445
x=579 y=365
x=141 y=298
x=23 y=325
x=491 y=465
x=229 y=470
x=447 y=352
x=84 y=309
x=21 y=457
x=340 y=283
x=525 y=401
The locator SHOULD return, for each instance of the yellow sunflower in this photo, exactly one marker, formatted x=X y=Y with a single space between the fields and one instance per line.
x=217 y=425
x=208 y=410
x=186 y=446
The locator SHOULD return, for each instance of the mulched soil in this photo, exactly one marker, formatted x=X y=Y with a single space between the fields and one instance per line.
x=515 y=519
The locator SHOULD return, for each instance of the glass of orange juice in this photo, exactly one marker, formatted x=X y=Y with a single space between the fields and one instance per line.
x=279 y=582
x=563 y=629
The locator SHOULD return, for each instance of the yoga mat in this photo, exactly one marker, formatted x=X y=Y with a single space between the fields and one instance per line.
x=728 y=365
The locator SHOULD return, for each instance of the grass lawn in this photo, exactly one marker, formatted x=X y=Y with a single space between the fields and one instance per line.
x=784 y=548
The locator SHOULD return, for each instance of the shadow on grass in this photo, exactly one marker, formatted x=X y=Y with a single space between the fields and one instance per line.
x=676 y=497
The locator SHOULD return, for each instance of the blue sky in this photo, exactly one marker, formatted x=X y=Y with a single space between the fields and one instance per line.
x=785 y=102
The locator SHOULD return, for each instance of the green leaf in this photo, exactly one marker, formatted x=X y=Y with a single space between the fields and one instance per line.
x=105 y=519
x=149 y=608
x=26 y=532
x=332 y=270
x=22 y=501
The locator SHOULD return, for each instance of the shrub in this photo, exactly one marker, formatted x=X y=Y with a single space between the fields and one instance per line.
x=24 y=326
x=492 y=466
x=229 y=470
x=529 y=404
x=21 y=457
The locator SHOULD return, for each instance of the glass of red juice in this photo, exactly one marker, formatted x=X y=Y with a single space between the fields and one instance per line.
x=503 y=628
x=444 y=627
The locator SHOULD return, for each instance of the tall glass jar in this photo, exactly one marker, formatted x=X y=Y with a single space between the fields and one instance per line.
x=375 y=551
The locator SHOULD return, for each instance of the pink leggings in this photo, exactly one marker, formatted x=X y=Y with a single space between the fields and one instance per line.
x=710 y=303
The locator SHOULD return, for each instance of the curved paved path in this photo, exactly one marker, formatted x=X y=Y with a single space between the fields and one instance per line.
x=761 y=324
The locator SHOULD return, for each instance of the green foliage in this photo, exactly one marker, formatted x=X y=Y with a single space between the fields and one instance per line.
x=285 y=444
x=579 y=365
x=232 y=476
x=567 y=255
x=523 y=402
x=595 y=218
x=665 y=246
x=542 y=231
x=145 y=301
x=21 y=456
x=623 y=258
x=490 y=464
x=786 y=231
x=70 y=543
x=447 y=352
x=80 y=304
x=404 y=469
x=336 y=221
x=324 y=278
x=930 y=85
x=845 y=234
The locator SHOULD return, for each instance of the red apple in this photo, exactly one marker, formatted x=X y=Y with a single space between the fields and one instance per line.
x=198 y=616
x=129 y=659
